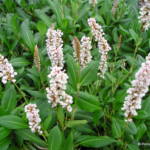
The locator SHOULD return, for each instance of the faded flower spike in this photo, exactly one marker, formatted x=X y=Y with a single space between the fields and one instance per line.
x=115 y=6
x=6 y=70
x=32 y=114
x=82 y=51
x=103 y=45
x=138 y=90
x=54 y=44
x=93 y=2
x=56 y=92
x=76 y=47
x=144 y=17
x=37 y=58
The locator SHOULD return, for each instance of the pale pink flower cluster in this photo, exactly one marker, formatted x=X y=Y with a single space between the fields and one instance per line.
x=85 y=54
x=6 y=70
x=58 y=78
x=144 y=17
x=32 y=114
x=56 y=92
x=54 y=44
x=138 y=90
x=103 y=45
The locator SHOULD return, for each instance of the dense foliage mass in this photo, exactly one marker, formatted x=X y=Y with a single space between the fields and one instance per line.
x=74 y=75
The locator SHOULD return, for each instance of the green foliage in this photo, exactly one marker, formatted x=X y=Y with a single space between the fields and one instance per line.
x=96 y=121
x=54 y=139
x=12 y=122
x=95 y=142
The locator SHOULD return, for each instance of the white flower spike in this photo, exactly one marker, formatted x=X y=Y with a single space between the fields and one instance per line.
x=58 y=78
x=6 y=70
x=138 y=90
x=32 y=114
x=103 y=45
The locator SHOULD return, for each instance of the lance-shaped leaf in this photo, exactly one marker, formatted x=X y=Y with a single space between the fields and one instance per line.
x=54 y=139
x=95 y=141
x=12 y=122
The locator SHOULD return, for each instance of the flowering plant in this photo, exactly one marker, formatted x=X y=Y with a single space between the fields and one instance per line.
x=74 y=75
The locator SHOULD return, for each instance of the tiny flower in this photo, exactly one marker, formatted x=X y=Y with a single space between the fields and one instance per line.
x=57 y=78
x=144 y=17
x=138 y=90
x=103 y=45
x=85 y=56
x=54 y=46
x=6 y=70
x=56 y=91
x=32 y=114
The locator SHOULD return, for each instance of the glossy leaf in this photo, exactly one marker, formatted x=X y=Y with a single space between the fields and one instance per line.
x=19 y=62
x=27 y=35
x=116 y=128
x=88 y=102
x=89 y=74
x=73 y=123
x=12 y=122
x=26 y=134
x=4 y=132
x=73 y=71
x=9 y=99
x=95 y=141
x=54 y=139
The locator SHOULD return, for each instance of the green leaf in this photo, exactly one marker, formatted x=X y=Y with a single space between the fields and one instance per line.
x=73 y=123
x=57 y=9
x=68 y=142
x=9 y=99
x=134 y=34
x=19 y=62
x=83 y=11
x=45 y=19
x=141 y=129
x=3 y=111
x=123 y=30
x=73 y=71
x=89 y=74
x=27 y=35
x=12 y=20
x=4 y=132
x=131 y=128
x=116 y=128
x=96 y=141
x=60 y=116
x=4 y=144
x=133 y=147
x=54 y=139
x=42 y=28
x=26 y=134
x=47 y=122
x=142 y=114
x=12 y=122
x=37 y=94
x=88 y=102
x=146 y=105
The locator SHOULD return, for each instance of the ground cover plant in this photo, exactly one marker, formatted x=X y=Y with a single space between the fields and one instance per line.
x=74 y=75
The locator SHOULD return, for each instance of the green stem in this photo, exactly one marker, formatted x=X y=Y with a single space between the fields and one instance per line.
x=21 y=92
